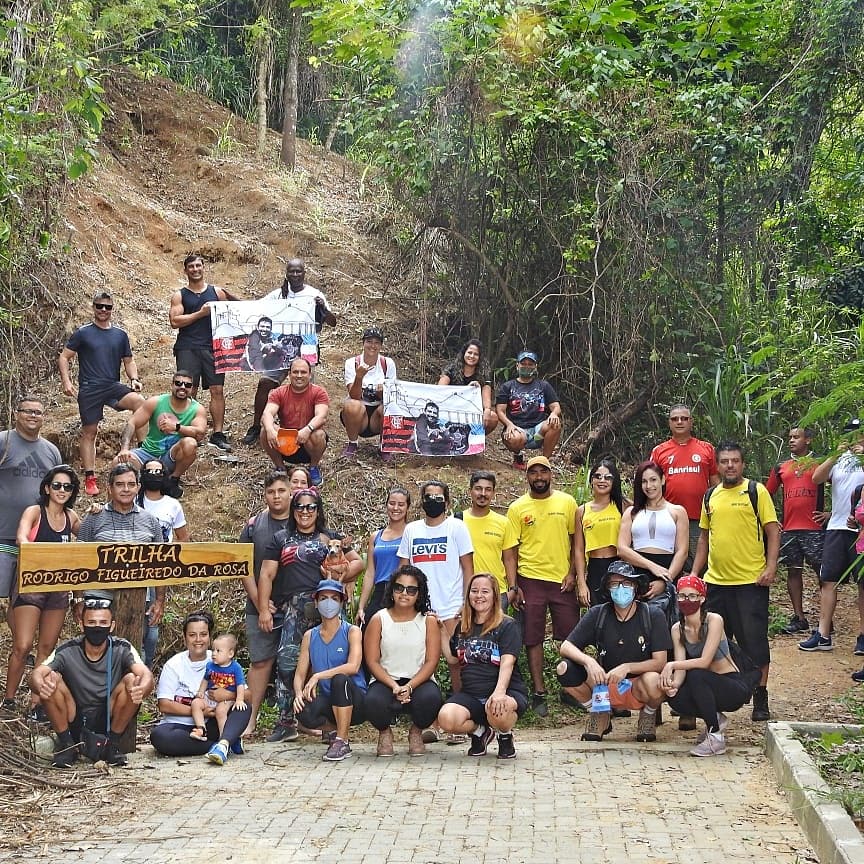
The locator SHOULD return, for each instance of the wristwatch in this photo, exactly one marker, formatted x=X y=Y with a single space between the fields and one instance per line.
x=178 y=427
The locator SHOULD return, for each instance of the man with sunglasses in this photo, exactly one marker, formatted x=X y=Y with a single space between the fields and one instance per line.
x=175 y=424
x=100 y=348
x=25 y=458
x=72 y=684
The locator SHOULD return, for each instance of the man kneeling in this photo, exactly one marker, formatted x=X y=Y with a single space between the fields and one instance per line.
x=73 y=685
x=631 y=639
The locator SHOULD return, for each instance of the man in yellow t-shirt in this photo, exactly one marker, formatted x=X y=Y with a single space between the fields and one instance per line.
x=492 y=535
x=544 y=521
x=741 y=543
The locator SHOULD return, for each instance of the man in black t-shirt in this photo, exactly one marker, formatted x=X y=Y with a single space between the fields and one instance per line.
x=632 y=640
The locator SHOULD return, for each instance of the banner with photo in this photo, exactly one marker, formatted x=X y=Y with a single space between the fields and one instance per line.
x=263 y=335
x=432 y=420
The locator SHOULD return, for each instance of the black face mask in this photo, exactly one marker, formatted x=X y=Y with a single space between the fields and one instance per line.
x=433 y=508
x=152 y=481
x=97 y=636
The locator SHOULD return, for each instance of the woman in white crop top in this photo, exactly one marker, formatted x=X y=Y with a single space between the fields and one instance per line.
x=401 y=647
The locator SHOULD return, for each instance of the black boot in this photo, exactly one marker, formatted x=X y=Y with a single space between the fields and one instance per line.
x=760 y=704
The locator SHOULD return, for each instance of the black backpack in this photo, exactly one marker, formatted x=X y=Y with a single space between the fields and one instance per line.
x=642 y=611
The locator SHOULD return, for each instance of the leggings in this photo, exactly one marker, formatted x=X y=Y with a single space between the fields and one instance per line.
x=172 y=739
x=704 y=693
x=382 y=706
x=344 y=693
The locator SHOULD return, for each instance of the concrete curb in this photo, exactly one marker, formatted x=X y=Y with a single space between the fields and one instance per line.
x=830 y=831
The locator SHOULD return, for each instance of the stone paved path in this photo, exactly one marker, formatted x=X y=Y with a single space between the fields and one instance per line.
x=559 y=801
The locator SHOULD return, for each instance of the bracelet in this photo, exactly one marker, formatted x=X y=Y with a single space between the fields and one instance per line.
x=310 y=427
x=133 y=380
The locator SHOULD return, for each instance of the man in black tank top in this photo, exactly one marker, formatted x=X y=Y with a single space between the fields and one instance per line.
x=190 y=315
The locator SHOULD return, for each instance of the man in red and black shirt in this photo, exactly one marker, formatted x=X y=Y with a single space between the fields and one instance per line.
x=803 y=520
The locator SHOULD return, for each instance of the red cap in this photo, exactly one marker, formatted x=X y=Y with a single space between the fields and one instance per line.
x=693 y=582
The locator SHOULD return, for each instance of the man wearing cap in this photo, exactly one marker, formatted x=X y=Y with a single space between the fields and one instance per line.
x=73 y=684
x=632 y=641
x=101 y=348
x=529 y=411
x=299 y=405
x=293 y=285
x=844 y=472
x=362 y=412
x=542 y=574
x=175 y=423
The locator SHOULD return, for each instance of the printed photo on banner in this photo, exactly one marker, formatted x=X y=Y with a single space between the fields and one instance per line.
x=432 y=420
x=263 y=335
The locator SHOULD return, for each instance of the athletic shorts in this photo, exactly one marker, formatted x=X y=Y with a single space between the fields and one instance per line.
x=839 y=558
x=476 y=707
x=744 y=609
x=92 y=401
x=262 y=646
x=45 y=601
x=533 y=436
x=367 y=429
x=144 y=457
x=8 y=573
x=201 y=365
x=302 y=457
x=541 y=595
x=796 y=547
x=277 y=375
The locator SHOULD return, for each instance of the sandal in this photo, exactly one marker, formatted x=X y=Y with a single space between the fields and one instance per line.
x=198 y=733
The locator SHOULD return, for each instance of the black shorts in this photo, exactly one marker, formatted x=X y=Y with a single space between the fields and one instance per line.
x=367 y=429
x=839 y=558
x=92 y=400
x=796 y=547
x=301 y=457
x=477 y=707
x=744 y=609
x=200 y=363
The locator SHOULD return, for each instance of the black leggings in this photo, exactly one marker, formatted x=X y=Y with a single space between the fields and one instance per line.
x=344 y=693
x=704 y=693
x=172 y=739
x=382 y=706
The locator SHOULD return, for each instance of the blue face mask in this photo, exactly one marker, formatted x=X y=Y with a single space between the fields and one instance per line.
x=623 y=595
x=329 y=607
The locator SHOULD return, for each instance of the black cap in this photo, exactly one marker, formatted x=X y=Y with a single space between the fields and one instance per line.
x=853 y=425
x=373 y=333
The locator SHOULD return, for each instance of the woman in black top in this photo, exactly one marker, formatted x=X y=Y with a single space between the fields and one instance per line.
x=470 y=367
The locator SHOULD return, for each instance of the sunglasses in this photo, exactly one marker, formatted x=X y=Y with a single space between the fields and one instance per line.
x=154 y=472
x=31 y=412
x=306 y=508
x=438 y=498
x=96 y=603
x=602 y=477
x=103 y=307
x=187 y=385
x=401 y=588
x=66 y=487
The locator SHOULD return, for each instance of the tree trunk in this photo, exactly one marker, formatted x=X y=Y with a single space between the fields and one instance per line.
x=289 y=94
x=261 y=97
x=129 y=606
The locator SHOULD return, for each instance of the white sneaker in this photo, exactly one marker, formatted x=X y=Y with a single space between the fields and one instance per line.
x=713 y=745
x=722 y=722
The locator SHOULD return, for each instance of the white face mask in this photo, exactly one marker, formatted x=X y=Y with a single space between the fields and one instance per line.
x=329 y=607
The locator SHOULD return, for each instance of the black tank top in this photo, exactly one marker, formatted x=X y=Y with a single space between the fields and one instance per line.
x=198 y=334
x=46 y=534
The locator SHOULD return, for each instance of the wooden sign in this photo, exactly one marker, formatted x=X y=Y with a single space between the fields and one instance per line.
x=65 y=566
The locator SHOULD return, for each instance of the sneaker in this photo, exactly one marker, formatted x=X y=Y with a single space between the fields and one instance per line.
x=817 y=642
x=713 y=745
x=284 y=730
x=506 y=750
x=9 y=705
x=350 y=451
x=253 y=433
x=430 y=736
x=455 y=739
x=599 y=724
x=796 y=625
x=858 y=677
x=538 y=704
x=760 y=705
x=328 y=737
x=65 y=755
x=519 y=462
x=218 y=439
x=37 y=715
x=337 y=751
x=237 y=747
x=859 y=645
x=722 y=722
x=91 y=485
x=480 y=743
x=218 y=754
x=686 y=723
x=315 y=475
x=171 y=486
x=646 y=726
x=112 y=754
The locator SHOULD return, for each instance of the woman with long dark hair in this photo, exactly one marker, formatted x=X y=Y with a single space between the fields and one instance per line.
x=470 y=367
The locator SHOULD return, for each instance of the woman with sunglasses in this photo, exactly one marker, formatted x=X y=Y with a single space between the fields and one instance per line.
x=596 y=537
x=382 y=558
x=471 y=367
x=290 y=572
x=178 y=685
x=52 y=520
x=401 y=647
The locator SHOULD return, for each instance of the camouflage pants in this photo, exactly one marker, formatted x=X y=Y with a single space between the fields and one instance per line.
x=300 y=616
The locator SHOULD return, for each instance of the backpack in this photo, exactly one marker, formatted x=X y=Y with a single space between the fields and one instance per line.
x=644 y=613
x=753 y=495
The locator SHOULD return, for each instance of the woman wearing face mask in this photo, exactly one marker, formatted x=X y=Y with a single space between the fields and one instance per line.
x=703 y=680
x=470 y=367
x=598 y=522
x=178 y=684
x=52 y=520
x=401 y=647
x=329 y=686
x=382 y=558
x=290 y=572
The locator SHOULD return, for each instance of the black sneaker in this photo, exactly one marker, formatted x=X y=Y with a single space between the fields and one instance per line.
x=538 y=704
x=9 y=706
x=65 y=752
x=506 y=748
x=218 y=439
x=480 y=743
x=760 y=705
x=112 y=754
x=284 y=730
x=796 y=625
x=253 y=433
x=858 y=677
x=171 y=486
x=37 y=715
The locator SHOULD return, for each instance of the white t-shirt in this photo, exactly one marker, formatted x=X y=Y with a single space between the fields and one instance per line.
x=308 y=291
x=180 y=677
x=845 y=475
x=436 y=550
x=384 y=368
x=169 y=512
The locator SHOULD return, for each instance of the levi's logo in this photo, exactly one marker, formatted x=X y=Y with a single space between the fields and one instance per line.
x=429 y=549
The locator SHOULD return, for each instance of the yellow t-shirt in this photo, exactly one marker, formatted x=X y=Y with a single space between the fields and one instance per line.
x=736 y=553
x=543 y=528
x=600 y=527
x=491 y=535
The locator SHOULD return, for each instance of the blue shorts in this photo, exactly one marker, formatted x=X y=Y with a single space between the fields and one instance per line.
x=143 y=456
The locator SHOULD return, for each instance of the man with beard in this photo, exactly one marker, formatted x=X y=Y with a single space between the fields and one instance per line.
x=543 y=521
x=431 y=437
x=190 y=315
x=73 y=684
x=175 y=424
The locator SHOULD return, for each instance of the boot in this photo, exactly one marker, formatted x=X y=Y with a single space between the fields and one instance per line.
x=385 y=743
x=760 y=705
x=416 y=747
